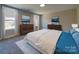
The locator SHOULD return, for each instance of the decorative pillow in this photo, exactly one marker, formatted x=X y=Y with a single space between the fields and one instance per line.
x=76 y=37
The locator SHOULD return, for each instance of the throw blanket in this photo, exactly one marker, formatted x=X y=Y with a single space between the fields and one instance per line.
x=44 y=39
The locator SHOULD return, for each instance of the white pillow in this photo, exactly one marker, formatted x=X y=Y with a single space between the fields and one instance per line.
x=77 y=29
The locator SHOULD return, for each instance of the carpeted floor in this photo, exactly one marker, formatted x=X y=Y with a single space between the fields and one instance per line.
x=16 y=45
x=8 y=46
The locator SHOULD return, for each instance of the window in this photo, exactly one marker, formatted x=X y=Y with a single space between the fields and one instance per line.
x=9 y=16
x=9 y=23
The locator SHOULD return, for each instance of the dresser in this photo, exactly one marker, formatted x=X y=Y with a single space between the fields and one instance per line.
x=53 y=26
x=26 y=28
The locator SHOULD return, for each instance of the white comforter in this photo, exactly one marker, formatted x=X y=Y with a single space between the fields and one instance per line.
x=44 y=39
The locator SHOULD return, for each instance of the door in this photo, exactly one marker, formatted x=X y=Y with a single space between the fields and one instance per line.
x=36 y=22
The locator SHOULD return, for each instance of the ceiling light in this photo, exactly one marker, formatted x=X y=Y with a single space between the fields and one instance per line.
x=42 y=5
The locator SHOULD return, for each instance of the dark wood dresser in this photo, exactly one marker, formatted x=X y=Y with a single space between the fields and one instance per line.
x=26 y=28
x=53 y=26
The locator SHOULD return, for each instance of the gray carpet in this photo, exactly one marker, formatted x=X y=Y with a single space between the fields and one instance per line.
x=8 y=46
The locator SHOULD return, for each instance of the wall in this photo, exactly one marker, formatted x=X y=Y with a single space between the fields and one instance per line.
x=67 y=18
x=40 y=22
x=20 y=13
x=78 y=15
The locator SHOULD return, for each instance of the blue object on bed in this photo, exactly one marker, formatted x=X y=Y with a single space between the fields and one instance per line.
x=66 y=44
x=76 y=38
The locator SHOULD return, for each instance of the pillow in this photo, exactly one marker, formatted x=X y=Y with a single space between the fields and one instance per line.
x=76 y=37
x=72 y=31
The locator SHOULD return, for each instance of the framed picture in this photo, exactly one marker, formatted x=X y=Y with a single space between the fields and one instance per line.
x=55 y=20
x=25 y=19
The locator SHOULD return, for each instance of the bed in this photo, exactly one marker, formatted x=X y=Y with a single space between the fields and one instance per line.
x=52 y=41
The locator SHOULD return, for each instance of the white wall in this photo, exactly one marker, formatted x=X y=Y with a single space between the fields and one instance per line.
x=45 y=21
x=67 y=17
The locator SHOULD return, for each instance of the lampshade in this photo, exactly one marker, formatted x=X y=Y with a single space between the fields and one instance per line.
x=74 y=25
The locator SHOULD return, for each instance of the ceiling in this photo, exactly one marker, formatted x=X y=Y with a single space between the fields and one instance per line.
x=49 y=8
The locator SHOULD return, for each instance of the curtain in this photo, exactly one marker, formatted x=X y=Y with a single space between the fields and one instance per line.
x=0 y=22
x=10 y=22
